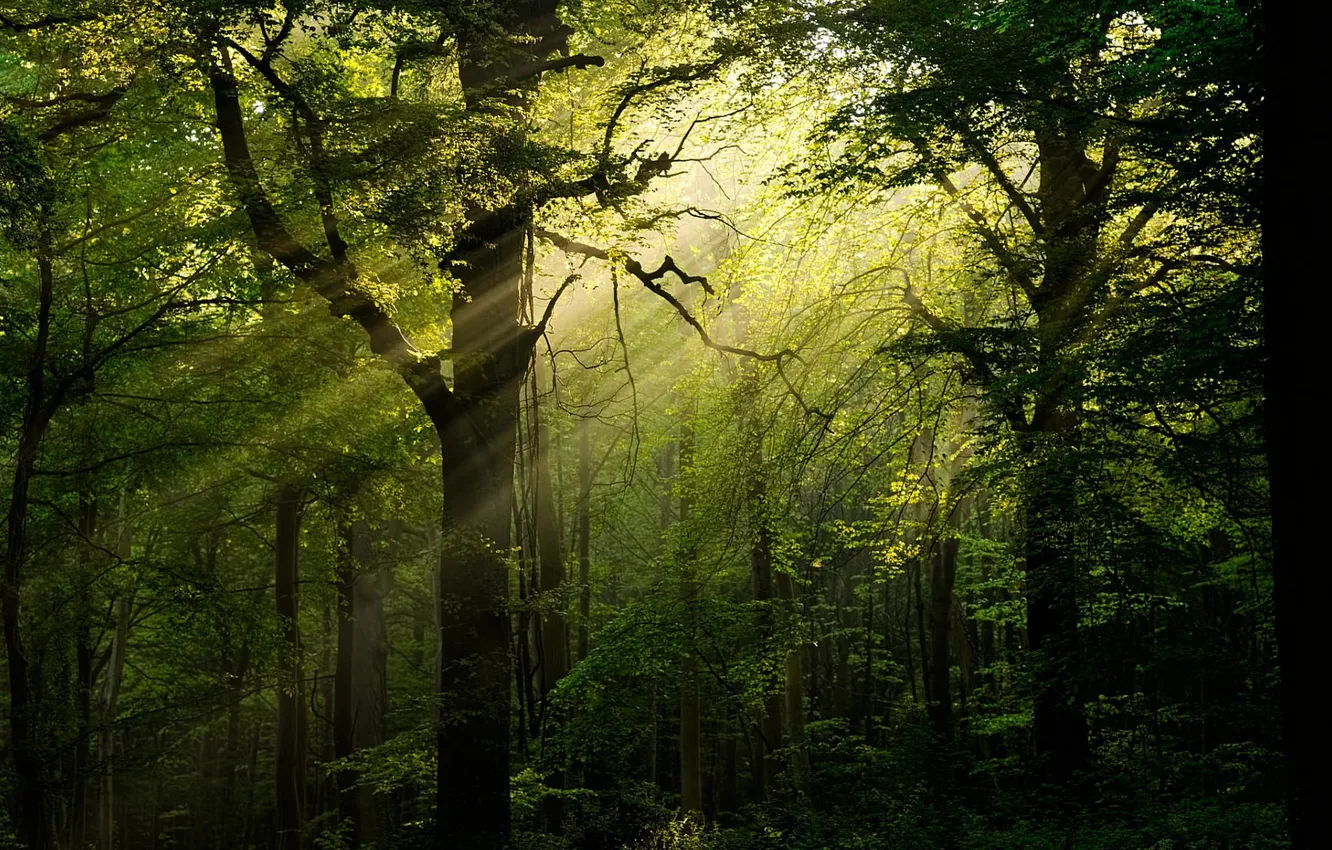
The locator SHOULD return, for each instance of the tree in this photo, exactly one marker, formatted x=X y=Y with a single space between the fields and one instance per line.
x=1104 y=104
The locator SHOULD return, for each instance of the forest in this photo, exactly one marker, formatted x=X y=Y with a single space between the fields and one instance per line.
x=646 y=425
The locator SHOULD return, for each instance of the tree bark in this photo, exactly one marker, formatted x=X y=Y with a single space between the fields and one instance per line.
x=232 y=764
x=795 y=690
x=1059 y=729
x=32 y=816
x=344 y=717
x=290 y=781
x=115 y=671
x=550 y=551
x=584 y=517
x=369 y=675
x=474 y=421
x=491 y=352
x=942 y=577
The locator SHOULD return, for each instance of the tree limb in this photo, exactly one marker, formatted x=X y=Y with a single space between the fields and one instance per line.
x=102 y=109
x=12 y=25
x=652 y=281
x=992 y=240
x=333 y=279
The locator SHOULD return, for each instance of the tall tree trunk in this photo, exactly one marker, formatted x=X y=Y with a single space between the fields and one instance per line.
x=84 y=665
x=32 y=815
x=920 y=459
x=794 y=690
x=554 y=630
x=355 y=534
x=1072 y=219
x=491 y=351
x=290 y=782
x=554 y=658
x=472 y=804
x=584 y=517
x=232 y=765
x=369 y=676
x=942 y=577
x=115 y=667
x=475 y=418
x=1059 y=729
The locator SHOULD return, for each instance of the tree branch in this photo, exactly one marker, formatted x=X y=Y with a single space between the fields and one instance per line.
x=992 y=241
x=104 y=104
x=314 y=127
x=578 y=60
x=652 y=281
x=12 y=25
x=333 y=279
x=987 y=158
x=540 y=327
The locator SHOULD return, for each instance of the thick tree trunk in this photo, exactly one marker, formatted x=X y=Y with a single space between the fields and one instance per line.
x=473 y=791
x=1072 y=220
x=32 y=814
x=475 y=418
x=1059 y=729
x=290 y=781
x=491 y=351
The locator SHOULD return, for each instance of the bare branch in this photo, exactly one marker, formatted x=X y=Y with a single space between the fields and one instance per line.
x=652 y=280
x=582 y=61
x=550 y=305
